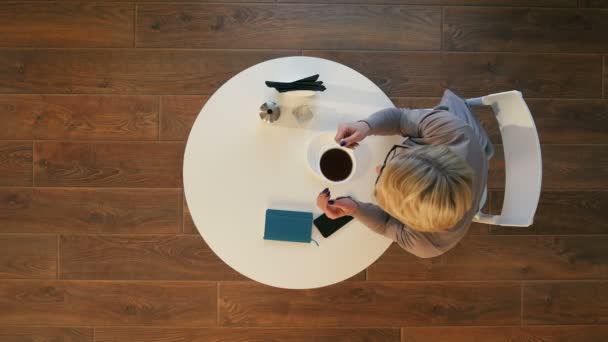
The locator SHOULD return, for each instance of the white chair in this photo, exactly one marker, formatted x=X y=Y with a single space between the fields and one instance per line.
x=522 y=155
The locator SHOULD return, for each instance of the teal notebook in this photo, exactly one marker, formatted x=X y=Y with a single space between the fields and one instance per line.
x=283 y=225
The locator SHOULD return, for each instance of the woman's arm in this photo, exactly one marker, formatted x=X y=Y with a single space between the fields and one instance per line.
x=435 y=124
x=379 y=221
x=415 y=123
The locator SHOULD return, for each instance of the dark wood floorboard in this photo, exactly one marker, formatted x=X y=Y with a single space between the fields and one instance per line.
x=155 y=165
x=605 y=78
x=566 y=121
x=189 y=226
x=81 y=117
x=397 y=73
x=565 y=303
x=561 y=212
x=97 y=99
x=371 y=304
x=16 y=163
x=90 y=211
x=502 y=258
x=178 y=115
x=540 y=3
x=559 y=121
x=65 y=303
x=23 y=257
x=507 y=334
x=46 y=334
x=539 y=30
x=412 y=74
x=594 y=3
x=308 y=26
x=573 y=167
x=66 y=25
x=123 y=71
x=155 y=257
x=239 y=335
x=415 y=102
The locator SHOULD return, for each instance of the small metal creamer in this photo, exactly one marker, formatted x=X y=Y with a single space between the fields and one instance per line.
x=270 y=112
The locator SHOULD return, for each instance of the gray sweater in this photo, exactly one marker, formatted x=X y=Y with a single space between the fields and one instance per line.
x=451 y=124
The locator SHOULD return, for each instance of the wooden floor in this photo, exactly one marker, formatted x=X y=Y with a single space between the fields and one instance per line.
x=96 y=101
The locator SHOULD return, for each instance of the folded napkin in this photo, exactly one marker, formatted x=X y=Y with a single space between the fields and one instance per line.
x=308 y=83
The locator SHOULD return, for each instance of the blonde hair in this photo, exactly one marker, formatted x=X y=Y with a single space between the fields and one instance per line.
x=429 y=188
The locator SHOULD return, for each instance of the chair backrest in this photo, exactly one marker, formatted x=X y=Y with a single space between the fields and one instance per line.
x=522 y=156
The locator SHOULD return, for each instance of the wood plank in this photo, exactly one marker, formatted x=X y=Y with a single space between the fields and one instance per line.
x=28 y=257
x=251 y=334
x=66 y=25
x=293 y=26
x=43 y=117
x=82 y=303
x=565 y=303
x=154 y=257
x=561 y=212
x=565 y=167
x=46 y=334
x=525 y=30
x=527 y=3
x=568 y=121
x=536 y=75
x=16 y=163
x=178 y=114
x=109 y=164
x=501 y=258
x=422 y=74
x=365 y=304
x=415 y=102
x=231 y=1
x=124 y=71
x=506 y=334
x=396 y=73
x=558 y=121
x=82 y=211
x=189 y=226
x=594 y=3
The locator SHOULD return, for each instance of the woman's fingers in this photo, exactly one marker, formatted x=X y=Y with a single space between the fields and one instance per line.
x=341 y=133
x=351 y=133
x=323 y=200
x=351 y=140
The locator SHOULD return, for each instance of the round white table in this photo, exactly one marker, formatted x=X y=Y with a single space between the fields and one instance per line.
x=237 y=166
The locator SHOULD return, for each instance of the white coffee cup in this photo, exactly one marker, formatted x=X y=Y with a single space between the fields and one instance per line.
x=321 y=144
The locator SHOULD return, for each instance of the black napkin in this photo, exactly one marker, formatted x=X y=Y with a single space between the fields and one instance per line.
x=308 y=83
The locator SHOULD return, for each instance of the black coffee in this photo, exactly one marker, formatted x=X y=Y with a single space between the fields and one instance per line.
x=336 y=164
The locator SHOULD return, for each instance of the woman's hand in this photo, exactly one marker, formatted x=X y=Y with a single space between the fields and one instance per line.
x=349 y=134
x=336 y=208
